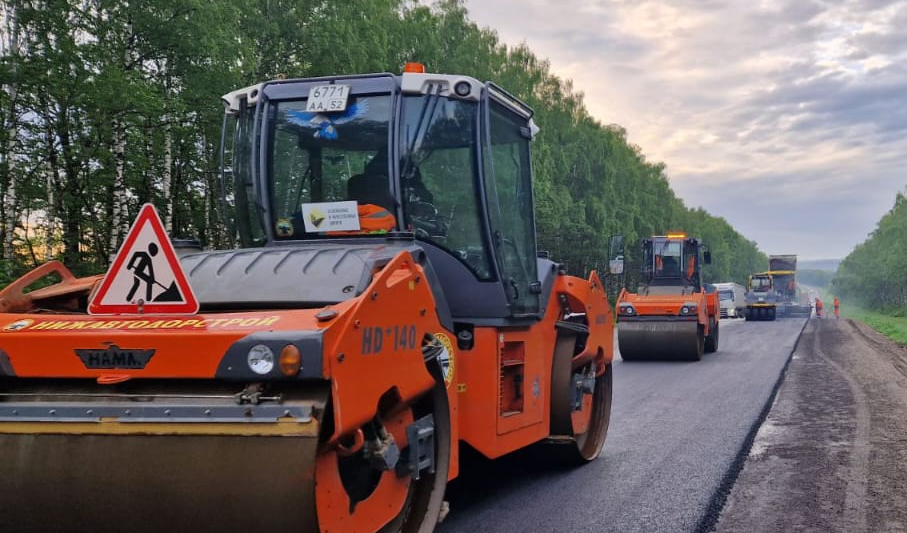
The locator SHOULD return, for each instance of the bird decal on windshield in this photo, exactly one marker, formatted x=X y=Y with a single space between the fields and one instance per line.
x=324 y=123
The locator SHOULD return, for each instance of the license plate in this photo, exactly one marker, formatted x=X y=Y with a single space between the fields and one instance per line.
x=327 y=98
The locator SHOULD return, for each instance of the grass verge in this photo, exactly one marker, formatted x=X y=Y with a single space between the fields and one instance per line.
x=893 y=327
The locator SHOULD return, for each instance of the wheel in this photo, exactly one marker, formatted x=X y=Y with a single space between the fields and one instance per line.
x=771 y=314
x=578 y=435
x=747 y=315
x=352 y=494
x=711 y=342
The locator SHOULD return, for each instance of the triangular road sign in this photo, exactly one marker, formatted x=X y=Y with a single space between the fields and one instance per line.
x=146 y=276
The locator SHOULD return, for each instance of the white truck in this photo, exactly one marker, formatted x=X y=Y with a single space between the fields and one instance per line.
x=731 y=299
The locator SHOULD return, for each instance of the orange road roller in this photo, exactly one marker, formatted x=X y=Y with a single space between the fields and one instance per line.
x=672 y=316
x=384 y=306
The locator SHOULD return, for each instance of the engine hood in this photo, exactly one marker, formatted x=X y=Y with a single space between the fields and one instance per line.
x=299 y=275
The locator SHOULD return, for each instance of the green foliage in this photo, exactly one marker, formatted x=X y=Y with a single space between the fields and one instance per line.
x=872 y=275
x=159 y=67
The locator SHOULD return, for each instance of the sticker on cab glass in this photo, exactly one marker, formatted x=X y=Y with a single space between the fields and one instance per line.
x=446 y=357
x=331 y=216
x=19 y=324
x=284 y=227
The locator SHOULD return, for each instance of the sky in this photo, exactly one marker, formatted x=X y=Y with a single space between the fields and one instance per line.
x=788 y=118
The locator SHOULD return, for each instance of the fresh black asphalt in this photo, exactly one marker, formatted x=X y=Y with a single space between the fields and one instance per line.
x=678 y=432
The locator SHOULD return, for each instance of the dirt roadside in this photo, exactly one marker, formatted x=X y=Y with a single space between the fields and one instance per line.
x=832 y=453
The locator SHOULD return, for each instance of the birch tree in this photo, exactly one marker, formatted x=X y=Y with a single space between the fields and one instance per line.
x=11 y=51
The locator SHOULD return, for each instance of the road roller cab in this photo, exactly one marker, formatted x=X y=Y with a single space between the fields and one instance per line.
x=385 y=305
x=672 y=315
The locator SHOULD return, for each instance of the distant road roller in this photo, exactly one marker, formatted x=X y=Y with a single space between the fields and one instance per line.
x=671 y=316
x=385 y=305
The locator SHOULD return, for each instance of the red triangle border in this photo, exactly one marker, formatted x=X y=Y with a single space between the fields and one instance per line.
x=147 y=215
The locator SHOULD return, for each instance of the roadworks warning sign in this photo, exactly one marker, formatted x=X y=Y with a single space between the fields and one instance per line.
x=146 y=276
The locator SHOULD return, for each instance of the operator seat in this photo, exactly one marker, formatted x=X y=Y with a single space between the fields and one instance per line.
x=370 y=189
x=670 y=267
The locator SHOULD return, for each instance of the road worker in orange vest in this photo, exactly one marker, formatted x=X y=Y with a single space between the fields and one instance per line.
x=837 y=304
x=818 y=307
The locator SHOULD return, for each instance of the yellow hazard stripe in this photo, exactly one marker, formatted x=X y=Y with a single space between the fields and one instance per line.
x=194 y=323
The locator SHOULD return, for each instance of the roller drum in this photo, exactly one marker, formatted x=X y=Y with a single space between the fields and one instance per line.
x=660 y=340
x=214 y=467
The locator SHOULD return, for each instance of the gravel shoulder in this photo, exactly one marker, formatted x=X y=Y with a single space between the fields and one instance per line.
x=832 y=454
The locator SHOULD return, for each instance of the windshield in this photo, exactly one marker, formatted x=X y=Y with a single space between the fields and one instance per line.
x=326 y=175
x=668 y=258
x=725 y=295
x=762 y=284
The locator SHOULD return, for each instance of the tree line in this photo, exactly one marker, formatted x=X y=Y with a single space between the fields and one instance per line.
x=108 y=104
x=872 y=275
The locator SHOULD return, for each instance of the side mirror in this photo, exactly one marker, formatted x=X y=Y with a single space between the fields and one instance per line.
x=707 y=257
x=616 y=266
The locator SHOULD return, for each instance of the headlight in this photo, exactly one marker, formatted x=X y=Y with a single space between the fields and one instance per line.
x=260 y=359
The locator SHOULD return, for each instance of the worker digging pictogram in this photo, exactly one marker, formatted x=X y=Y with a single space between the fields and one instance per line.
x=145 y=276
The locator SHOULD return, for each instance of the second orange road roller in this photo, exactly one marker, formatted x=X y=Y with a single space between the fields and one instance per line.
x=385 y=306
x=671 y=316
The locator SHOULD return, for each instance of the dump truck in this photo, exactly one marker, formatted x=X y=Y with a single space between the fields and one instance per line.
x=671 y=316
x=385 y=306
x=784 y=271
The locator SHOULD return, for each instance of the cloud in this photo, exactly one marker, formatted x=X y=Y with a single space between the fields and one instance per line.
x=801 y=101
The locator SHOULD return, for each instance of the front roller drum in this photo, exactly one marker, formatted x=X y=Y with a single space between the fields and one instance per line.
x=228 y=475
x=660 y=340
x=54 y=483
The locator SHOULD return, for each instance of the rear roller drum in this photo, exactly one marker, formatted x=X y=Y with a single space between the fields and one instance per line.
x=580 y=406
x=711 y=342
x=700 y=345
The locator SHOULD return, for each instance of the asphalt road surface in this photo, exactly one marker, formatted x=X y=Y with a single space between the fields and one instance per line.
x=678 y=431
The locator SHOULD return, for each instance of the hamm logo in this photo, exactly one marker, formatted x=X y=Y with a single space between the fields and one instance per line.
x=115 y=357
